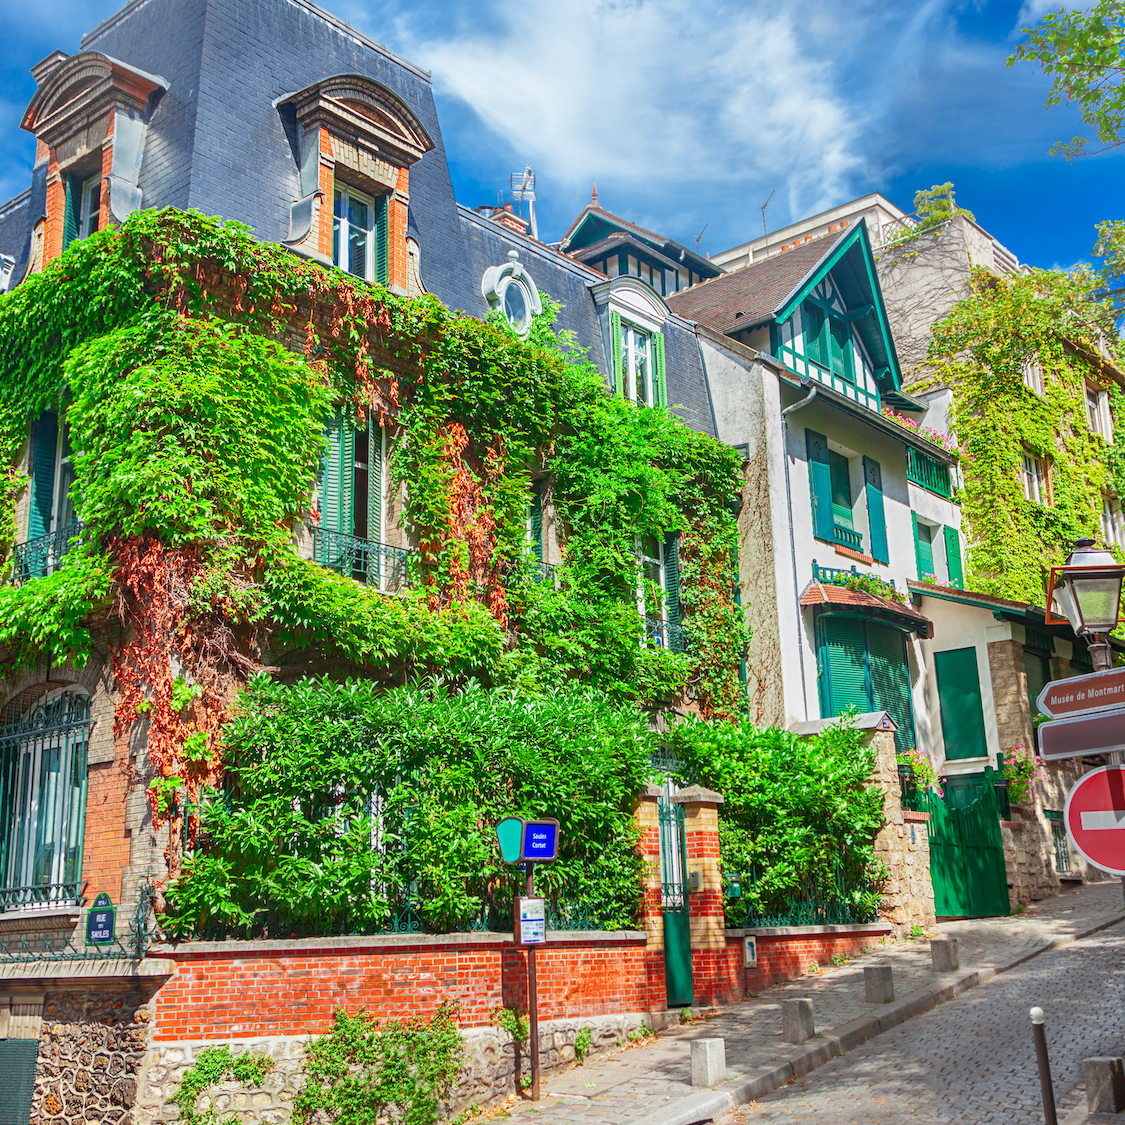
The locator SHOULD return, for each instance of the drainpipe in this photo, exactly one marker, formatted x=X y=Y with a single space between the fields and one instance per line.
x=792 y=542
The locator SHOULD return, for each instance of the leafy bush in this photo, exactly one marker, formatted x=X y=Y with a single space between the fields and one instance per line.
x=367 y=1072
x=795 y=811
x=348 y=802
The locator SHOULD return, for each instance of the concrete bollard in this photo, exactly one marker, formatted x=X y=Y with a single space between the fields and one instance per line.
x=945 y=954
x=1105 y=1085
x=708 y=1061
x=878 y=984
x=797 y=1021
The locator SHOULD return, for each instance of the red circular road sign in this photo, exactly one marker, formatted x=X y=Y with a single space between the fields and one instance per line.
x=1095 y=818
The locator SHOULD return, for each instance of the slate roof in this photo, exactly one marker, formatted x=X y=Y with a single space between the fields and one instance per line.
x=818 y=593
x=15 y=229
x=757 y=291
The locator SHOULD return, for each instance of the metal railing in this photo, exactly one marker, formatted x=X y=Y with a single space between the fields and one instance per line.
x=665 y=634
x=375 y=564
x=41 y=556
x=833 y=576
x=44 y=894
x=928 y=471
x=1062 y=846
x=843 y=895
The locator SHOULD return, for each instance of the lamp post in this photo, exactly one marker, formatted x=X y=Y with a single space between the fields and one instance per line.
x=1087 y=588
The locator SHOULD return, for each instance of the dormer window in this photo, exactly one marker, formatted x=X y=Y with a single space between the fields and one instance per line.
x=510 y=288
x=636 y=346
x=91 y=206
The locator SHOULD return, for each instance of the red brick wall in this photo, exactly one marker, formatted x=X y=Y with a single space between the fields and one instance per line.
x=239 y=993
x=786 y=958
x=717 y=975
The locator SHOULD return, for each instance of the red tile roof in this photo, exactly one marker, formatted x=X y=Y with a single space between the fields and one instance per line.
x=823 y=593
x=755 y=291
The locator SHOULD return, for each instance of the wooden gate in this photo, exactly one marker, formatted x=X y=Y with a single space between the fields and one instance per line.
x=966 y=848
x=674 y=899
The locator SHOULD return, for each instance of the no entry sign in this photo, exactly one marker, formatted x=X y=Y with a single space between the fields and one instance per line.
x=1095 y=818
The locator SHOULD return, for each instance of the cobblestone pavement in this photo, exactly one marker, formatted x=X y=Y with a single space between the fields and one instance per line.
x=628 y=1085
x=972 y=1060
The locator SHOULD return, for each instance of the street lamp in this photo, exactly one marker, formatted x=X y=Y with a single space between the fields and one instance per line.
x=1087 y=588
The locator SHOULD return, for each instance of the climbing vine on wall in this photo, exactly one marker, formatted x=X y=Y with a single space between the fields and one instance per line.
x=1045 y=323
x=197 y=366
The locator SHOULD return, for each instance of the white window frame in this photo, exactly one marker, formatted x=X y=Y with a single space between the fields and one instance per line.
x=1111 y=521
x=341 y=231
x=1033 y=376
x=658 y=561
x=631 y=359
x=1035 y=479
x=63 y=460
x=86 y=211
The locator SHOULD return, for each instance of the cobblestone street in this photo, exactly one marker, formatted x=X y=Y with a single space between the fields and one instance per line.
x=972 y=1060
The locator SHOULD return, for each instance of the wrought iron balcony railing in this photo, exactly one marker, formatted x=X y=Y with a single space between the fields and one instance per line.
x=846 y=537
x=43 y=894
x=665 y=634
x=41 y=556
x=375 y=564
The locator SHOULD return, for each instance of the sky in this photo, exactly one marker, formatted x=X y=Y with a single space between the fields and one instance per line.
x=689 y=114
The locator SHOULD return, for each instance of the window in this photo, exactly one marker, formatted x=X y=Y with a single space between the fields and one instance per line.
x=510 y=289
x=876 y=516
x=62 y=509
x=953 y=558
x=91 y=207
x=638 y=363
x=828 y=340
x=924 y=549
x=535 y=519
x=43 y=800
x=1097 y=412
x=959 y=701
x=830 y=485
x=1111 y=522
x=1060 y=841
x=1033 y=376
x=863 y=664
x=1035 y=481
x=659 y=567
x=51 y=521
x=359 y=234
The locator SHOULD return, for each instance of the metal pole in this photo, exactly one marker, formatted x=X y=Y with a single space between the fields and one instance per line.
x=532 y=998
x=1039 y=1033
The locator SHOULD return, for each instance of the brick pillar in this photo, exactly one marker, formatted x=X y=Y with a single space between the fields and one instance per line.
x=646 y=812
x=714 y=968
x=903 y=843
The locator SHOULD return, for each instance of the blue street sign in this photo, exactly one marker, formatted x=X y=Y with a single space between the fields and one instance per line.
x=100 y=922
x=541 y=841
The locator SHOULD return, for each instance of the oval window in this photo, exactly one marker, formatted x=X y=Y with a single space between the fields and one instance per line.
x=515 y=306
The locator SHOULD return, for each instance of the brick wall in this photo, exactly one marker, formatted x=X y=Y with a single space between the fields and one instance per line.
x=790 y=952
x=247 y=989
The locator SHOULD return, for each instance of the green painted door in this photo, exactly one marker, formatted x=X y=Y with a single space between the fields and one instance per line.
x=677 y=921
x=966 y=849
x=959 y=701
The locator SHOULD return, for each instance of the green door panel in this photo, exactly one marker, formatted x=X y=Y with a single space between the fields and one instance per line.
x=17 y=1079
x=959 y=699
x=677 y=959
x=890 y=680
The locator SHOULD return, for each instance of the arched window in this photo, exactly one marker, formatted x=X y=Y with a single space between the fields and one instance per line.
x=43 y=799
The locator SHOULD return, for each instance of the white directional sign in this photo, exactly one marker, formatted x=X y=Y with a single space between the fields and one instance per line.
x=1080 y=695
x=1079 y=736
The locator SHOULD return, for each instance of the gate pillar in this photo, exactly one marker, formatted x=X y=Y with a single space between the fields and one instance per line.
x=647 y=813
x=715 y=967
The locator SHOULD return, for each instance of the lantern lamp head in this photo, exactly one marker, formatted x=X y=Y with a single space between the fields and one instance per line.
x=1087 y=588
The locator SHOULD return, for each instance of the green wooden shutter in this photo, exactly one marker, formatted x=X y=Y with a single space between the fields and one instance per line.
x=820 y=485
x=617 y=374
x=43 y=474
x=840 y=473
x=375 y=484
x=672 y=588
x=890 y=680
x=536 y=518
x=962 y=713
x=17 y=1065
x=70 y=215
x=1037 y=669
x=923 y=549
x=876 y=514
x=382 y=241
x=659 y=378
x=337 y=476
x=842 y=670
x=839 y=335
x=953 y=558
x=812 y=321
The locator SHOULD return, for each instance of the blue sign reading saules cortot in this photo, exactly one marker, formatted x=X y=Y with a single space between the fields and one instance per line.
x=540 y=841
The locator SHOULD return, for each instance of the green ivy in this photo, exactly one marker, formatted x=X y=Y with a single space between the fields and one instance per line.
x=980 y=350
x=214 y=1065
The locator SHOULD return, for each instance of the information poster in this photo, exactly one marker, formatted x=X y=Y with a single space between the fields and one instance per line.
x=532 y=921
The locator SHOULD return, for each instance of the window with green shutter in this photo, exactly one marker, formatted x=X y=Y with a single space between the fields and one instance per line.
x=876 y=514
x=890 y=679
x=820 y=485
x=617 y=374
x=923 y=549
x=812 y=320
x=672 y=579
x=1037 y=669
x=841 y=343
x=43 y=458
x=840 y=474
x=953 y=558
x=535 y=519
x=659 y=374
x=72 y=208
x=959 y=701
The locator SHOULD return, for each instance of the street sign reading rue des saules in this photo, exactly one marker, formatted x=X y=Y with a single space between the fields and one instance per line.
x=1095 y=818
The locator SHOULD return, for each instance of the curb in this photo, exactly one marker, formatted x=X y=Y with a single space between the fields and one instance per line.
x=764 y=1080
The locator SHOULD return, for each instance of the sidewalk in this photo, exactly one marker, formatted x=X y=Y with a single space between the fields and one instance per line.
x=651 y=1084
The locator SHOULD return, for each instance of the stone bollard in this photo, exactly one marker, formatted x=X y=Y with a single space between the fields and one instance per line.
x=945 y=954
x=708 y=1061
x=878 y=984
x=797 y=1021
x=1105 y=1085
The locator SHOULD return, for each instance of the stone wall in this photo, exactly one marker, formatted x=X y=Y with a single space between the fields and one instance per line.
x=91 y=1048
x=903 y=846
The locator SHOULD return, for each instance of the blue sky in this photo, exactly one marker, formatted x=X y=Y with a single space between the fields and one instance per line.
x=690 y=112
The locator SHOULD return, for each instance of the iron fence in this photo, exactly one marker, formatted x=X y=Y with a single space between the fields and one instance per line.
x=928 y=471
x=41 y=556
x=846 y=893
x=43 y=894
x=665 y=634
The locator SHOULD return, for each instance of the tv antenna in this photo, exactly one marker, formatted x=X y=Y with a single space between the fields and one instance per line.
x=700 y=235
x=765 y=233
x=523 y=187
